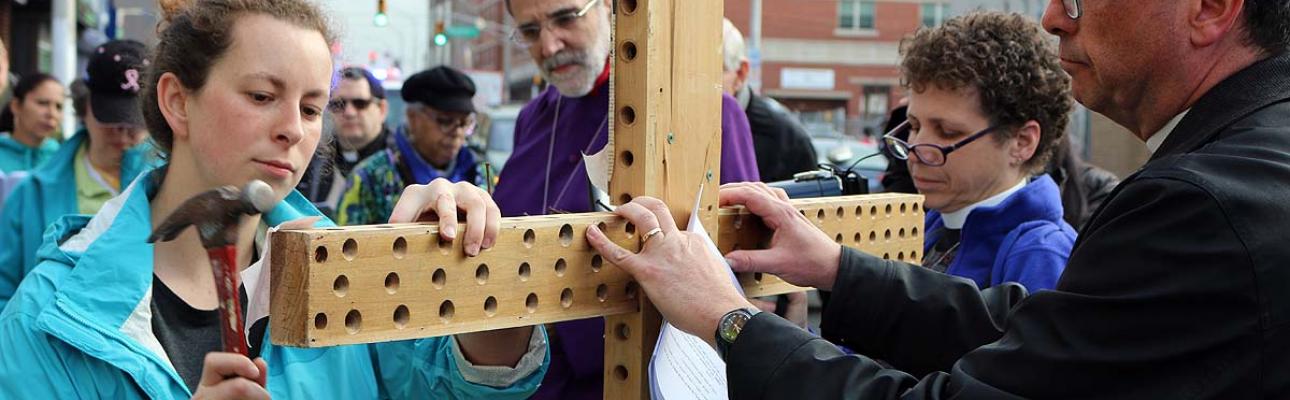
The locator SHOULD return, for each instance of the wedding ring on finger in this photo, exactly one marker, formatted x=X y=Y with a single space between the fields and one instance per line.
x=650 y=235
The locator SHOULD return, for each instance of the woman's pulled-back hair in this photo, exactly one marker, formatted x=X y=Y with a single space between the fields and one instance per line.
x=195 y=34
x=1008 y=61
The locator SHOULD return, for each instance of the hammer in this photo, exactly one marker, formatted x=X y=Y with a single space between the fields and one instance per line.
x=216 y=214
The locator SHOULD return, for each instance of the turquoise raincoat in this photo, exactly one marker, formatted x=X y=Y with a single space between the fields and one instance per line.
x=48 y=194
x=79 y=327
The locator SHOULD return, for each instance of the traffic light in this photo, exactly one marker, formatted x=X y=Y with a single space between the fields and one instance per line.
x=440 y=36
x=381 y=18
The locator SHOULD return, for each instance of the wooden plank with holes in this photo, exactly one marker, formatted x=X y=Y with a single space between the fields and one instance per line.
x=365 y=284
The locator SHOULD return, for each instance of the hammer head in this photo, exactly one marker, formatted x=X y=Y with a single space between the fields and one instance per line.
x=215 y=213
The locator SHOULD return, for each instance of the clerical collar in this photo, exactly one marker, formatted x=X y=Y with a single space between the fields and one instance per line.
x=955 y=220
x=744 y=97
x=1154 y=142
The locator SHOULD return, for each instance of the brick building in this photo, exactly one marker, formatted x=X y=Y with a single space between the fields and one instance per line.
x=834 y=61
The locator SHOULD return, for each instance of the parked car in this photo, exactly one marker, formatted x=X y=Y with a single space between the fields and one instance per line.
x=495 y=134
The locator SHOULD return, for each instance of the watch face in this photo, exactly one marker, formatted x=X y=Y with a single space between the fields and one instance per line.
x=732 y=324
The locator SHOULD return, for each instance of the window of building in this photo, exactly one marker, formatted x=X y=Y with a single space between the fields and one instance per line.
x=934 y=13
x=855 y=14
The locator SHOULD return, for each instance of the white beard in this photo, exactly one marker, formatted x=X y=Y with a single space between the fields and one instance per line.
x=581 y=82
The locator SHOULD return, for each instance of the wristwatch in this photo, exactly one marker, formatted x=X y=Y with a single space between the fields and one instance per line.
x=731 y=324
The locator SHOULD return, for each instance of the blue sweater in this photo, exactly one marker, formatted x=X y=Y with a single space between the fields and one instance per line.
x=1023 y=239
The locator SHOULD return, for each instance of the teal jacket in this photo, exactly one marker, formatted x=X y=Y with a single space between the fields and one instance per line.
x=48 y=194
x=16 y=156
x=79 y=327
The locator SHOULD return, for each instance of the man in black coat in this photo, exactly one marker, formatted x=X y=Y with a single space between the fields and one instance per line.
x=783 y=147
x=1178 y=288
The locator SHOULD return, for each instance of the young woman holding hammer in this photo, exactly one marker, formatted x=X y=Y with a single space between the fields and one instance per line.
x=235 y=93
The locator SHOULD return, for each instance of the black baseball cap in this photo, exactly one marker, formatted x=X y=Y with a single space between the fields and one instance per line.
x=441 y=88
x=115 y=76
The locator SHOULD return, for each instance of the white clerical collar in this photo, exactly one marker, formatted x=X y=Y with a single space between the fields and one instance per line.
x=955 y=220
x=1154 y=142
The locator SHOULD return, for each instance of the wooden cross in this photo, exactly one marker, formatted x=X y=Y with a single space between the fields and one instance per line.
x=366 y=284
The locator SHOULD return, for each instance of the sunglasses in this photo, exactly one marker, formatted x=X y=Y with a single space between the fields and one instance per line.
x=339 y=104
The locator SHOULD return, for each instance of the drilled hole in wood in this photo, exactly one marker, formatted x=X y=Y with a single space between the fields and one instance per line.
x=602 y=292
x=628 y=51
x=873 y=212
x=903 y=208
x=604 y=228
x=838 y=238
x=627 y=6
x=401 y=316
x=445 y=244
x=888 y=209
x=628 y=158
x=841 y=212
x=400 y=248
x=531 y=303
x=859 y=212
x=901 y=233
x=858 y=238
x=320 y=321
x=439 y=278
x=320 y=254
x=392 y=282
x=900 y=256
x=628 y=115
x=819 y=214
x=917 y=208
x=886 y=235
x=632 y=288
x=757 y=277
x=873 y=236
x=630 y=229
x=490 y=306
x=596 y=263
x=624 y=198
x=620 y=373
x=803 y=212
x=353 y=321
x=914 y=232
x=446 y=311
x=913 y=256
x=341 y=286
x=566 y=235
x=622 y=331
x=560 y=267
x=350 y=249
x=529 y=238
x=566 y=297
x=481 y=274
x=886 y=256
x=525 y=272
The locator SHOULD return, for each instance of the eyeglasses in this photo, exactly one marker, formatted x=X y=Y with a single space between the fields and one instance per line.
x=1074 y=8
x=450 y=124
x=339 y=104
x=930 y=154
x=563 y=20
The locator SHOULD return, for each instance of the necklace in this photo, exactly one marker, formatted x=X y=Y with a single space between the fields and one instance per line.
x=550 y=154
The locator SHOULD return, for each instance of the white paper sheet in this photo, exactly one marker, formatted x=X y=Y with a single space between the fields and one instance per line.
x=684 y=366
x=256 y=277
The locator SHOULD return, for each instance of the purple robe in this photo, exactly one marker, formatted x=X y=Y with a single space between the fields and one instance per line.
x=577 y=347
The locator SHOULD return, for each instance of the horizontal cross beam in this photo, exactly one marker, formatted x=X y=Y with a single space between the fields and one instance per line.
x=375 y=283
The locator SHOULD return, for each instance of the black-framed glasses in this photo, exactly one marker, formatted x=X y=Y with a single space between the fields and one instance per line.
x=1074 y=8
x=338 y=104
x=563 y=20
x=932 y=155
x=448 y=123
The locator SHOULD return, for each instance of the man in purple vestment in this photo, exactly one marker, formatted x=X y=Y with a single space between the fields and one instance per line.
x=569 y=41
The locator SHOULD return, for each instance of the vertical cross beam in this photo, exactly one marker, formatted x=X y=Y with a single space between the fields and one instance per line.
x=667 y=137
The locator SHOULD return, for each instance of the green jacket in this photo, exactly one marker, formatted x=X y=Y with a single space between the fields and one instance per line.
x=80 y=327
x=48 y=194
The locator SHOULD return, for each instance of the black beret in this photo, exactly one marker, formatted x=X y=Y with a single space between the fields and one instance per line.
x=441 y=88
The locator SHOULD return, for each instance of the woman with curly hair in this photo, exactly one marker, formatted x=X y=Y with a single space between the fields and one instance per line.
x=988 y=105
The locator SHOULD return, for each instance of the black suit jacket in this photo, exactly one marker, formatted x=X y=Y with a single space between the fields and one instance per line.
x=1178 y=288
x=782 y=146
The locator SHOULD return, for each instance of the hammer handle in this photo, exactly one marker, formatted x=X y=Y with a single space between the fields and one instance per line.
x=227 y=282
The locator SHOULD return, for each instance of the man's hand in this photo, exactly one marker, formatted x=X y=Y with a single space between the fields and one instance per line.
x=440 y=200
x=688 y=284
x=231 y=376
x=799 y=253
